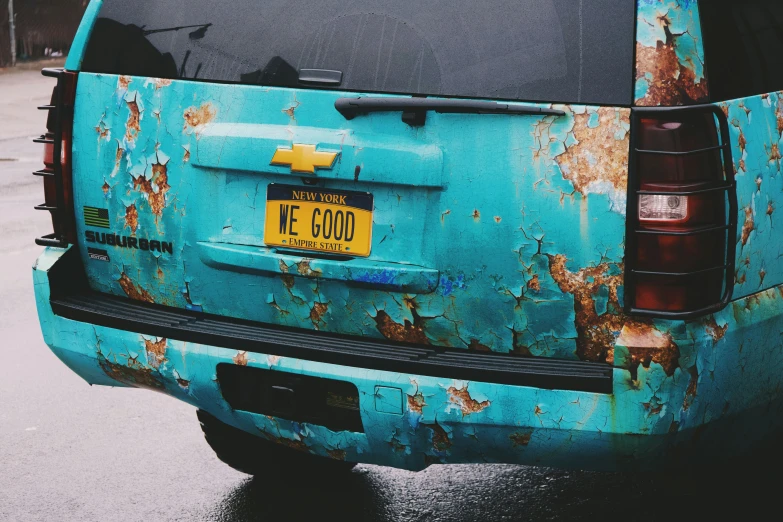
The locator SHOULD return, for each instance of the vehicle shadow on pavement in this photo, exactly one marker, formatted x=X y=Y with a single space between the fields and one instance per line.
x=503 y=492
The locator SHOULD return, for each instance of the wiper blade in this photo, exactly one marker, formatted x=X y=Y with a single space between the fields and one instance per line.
x=414 y=109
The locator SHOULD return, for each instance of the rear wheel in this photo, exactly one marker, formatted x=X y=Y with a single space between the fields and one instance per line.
x=258 y=457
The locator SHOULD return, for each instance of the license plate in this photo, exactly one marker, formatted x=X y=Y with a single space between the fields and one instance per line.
x=319 y=220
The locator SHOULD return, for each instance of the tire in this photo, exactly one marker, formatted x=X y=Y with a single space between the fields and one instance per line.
x=258 y=457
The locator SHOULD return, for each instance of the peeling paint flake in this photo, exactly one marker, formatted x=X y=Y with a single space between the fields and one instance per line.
x=135 y=293
x=156 y=352
x=196 y=118
x=154 y=188
x=461 y=397
x=406 y=332
x=669 y=54
x=597 y=161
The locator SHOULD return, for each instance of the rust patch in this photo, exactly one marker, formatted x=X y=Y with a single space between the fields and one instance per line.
x=240 y=359
x=336 y=454
x=288 y=281
x=443 y=216
x=774 y=154
x=405 y=333
x=295 y=444
x=161 y=83
x=292 y=109
x=137 y=294
x=132 y=218
x=647 y=345
x=762 y=275
x=521 y=438
x=598 y=157
x=196 y=118
x=714 y=330
x=770 y=208
x=748 y=226
x=155 y=188
x=461 y=397
x=779 y=113
x=416 y=402
x=133 y=125
x=123 y=83
x=671 y=83
x=118 y=156
x=476 y=215
x=106 y=188
x=440 y=438
x=303 y=267
x=476 y=346
x=691 y=390
x=597 y=334
x=133 y=374
x=103 y=131
x=317 y=312
x=534 y=284
x=498 y=219
x=156 y=352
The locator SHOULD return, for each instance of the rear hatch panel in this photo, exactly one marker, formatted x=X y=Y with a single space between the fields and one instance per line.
x=491 y=232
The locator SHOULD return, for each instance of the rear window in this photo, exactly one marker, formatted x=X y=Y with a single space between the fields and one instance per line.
x=538 y=50
x=743 y=46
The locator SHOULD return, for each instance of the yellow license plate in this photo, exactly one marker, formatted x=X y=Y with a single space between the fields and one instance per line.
x=330 y=221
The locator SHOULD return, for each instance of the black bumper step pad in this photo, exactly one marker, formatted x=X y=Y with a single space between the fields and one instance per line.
x=358 y=352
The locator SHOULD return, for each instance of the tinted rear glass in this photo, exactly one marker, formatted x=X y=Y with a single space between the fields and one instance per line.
x=541 y=50
x=743 y=45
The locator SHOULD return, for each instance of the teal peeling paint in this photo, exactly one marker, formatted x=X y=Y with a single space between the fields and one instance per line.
x=460 y=258
x=756 y=127
x=728 y=372
x=664 y=26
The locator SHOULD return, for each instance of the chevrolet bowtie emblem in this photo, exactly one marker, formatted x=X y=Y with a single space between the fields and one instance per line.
x=303 y=158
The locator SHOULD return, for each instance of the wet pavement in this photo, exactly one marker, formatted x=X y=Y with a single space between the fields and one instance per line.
x=71 y=452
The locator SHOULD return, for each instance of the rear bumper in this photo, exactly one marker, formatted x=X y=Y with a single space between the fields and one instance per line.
x=412 y=420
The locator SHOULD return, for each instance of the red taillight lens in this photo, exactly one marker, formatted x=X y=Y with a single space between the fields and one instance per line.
x=682 y=213
x=58 y=185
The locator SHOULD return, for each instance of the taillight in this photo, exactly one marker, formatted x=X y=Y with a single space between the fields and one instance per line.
x=682 y=213
x=58 y=185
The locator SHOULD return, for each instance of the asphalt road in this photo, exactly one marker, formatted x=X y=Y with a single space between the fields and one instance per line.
x=69 y=451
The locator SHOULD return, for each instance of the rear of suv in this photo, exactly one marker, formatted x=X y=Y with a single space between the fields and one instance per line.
x=534 y=231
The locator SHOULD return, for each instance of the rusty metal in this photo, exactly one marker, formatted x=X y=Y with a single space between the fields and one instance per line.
x=511 y=241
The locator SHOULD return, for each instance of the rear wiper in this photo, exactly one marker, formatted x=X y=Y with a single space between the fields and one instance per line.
x=414 y=110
